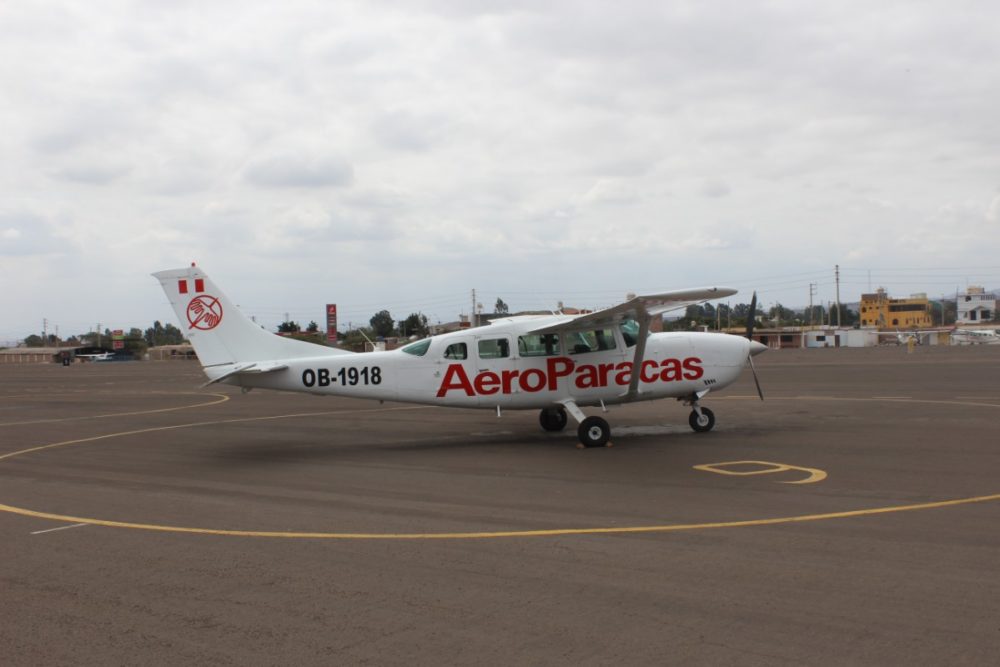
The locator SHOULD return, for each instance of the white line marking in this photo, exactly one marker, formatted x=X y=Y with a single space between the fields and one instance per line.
x=895 y=398
x=50 y=530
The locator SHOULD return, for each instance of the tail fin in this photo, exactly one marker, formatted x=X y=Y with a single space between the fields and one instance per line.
x=219 y=332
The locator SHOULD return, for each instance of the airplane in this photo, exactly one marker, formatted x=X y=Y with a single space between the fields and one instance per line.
x=905 y=338
x=976 y=336
x=557 y=364
x=96 y=356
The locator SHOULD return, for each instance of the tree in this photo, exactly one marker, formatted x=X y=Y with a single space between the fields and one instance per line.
x=289 y=327
x=382 y=323
x=135 y=342
x=414 y=325
x=818 y=315
x=34 y=340
x=160 y=334
x=313 y=327
x=501 y=307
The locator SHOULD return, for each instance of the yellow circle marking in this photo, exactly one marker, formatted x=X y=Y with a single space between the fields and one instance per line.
x=815 y=474
x=555 y=532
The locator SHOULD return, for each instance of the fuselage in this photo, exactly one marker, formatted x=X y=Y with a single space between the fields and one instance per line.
x=503 y=365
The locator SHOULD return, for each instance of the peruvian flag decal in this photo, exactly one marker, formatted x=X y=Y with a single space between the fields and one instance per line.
x=199 y=286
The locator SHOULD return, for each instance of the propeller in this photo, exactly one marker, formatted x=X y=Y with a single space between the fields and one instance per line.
x=751 y=318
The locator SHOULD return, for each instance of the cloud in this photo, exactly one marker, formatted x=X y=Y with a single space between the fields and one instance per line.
x=91 y=174
x=300 y=171
x=515 y=143
x=403 y=130
x=993 y=212
x=27 y=234
x=715 y=189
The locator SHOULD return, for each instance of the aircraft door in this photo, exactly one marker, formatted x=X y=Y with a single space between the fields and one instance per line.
x=494 y=380
x=456 y=370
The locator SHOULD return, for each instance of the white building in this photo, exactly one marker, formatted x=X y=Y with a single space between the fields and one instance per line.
x=976 y=306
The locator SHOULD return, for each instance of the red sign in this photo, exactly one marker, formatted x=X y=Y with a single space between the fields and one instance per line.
x=118 y=345
x=331 y=322
x=204 y=312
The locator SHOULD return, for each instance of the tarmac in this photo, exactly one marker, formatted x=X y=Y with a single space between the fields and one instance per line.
x=853 y=517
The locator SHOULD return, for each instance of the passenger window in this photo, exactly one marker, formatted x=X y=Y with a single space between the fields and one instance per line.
x=581 y=342
x=538 y=345
x=494 y=348
x=456 y=351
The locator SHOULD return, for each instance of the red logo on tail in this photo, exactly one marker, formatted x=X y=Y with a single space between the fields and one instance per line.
x=204 y=312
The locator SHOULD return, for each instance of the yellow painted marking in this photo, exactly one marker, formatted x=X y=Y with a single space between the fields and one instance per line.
x=815 y=474
x=154 y=429
x=220 y=398
x=554 y=532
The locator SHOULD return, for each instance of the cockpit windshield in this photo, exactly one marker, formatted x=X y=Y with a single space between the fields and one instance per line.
x=630 y=332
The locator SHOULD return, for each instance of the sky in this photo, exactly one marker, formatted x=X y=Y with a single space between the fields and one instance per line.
x=398 y=155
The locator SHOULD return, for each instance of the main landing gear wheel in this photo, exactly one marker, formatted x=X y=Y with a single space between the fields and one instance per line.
x=703 y=422
x=553 y=419
x=594 y=432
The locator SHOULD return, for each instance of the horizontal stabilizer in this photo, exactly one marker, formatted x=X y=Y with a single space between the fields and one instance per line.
x=248 y=369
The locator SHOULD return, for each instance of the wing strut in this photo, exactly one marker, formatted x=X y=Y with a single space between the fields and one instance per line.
x=643 y=318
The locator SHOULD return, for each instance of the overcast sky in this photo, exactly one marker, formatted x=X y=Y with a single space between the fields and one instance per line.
x=399 y=154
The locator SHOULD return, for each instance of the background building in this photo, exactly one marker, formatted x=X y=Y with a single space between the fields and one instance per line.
x=879 y=310
x=976 y=306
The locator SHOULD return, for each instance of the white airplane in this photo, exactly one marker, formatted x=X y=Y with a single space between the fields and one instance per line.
x=975 y=336
x=96 y=356
x=555 y=363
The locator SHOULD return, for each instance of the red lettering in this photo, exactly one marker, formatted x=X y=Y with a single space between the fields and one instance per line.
x=507 y=380
x=532 y=385
x=671 y=370
x=604 y=369
x=648 y=365
x=455 y=378
x=487 y=383
x=624 y=374
x=555 y=372
x=692 y=368
x=586 y=377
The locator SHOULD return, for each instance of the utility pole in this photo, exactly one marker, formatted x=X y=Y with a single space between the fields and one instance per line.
x=45 y=330
x=472 y=313
x=98 y=334
x=836 y=271
x=812 y=291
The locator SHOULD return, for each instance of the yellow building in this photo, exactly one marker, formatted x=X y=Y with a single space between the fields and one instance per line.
x=878 y=310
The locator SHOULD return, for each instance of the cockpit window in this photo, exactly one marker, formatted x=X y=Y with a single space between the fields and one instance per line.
x=630 y=332
x=457 y=351
x=597 y=340
x=419 y=348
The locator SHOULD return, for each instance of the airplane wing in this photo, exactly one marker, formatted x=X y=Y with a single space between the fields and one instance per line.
x=642 y=309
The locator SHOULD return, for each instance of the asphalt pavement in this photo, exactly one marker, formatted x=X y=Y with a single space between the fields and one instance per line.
x=851 y=518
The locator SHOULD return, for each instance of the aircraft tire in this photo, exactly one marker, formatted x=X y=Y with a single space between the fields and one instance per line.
x=594 y=432
x=552 y=419
x=703 y=425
